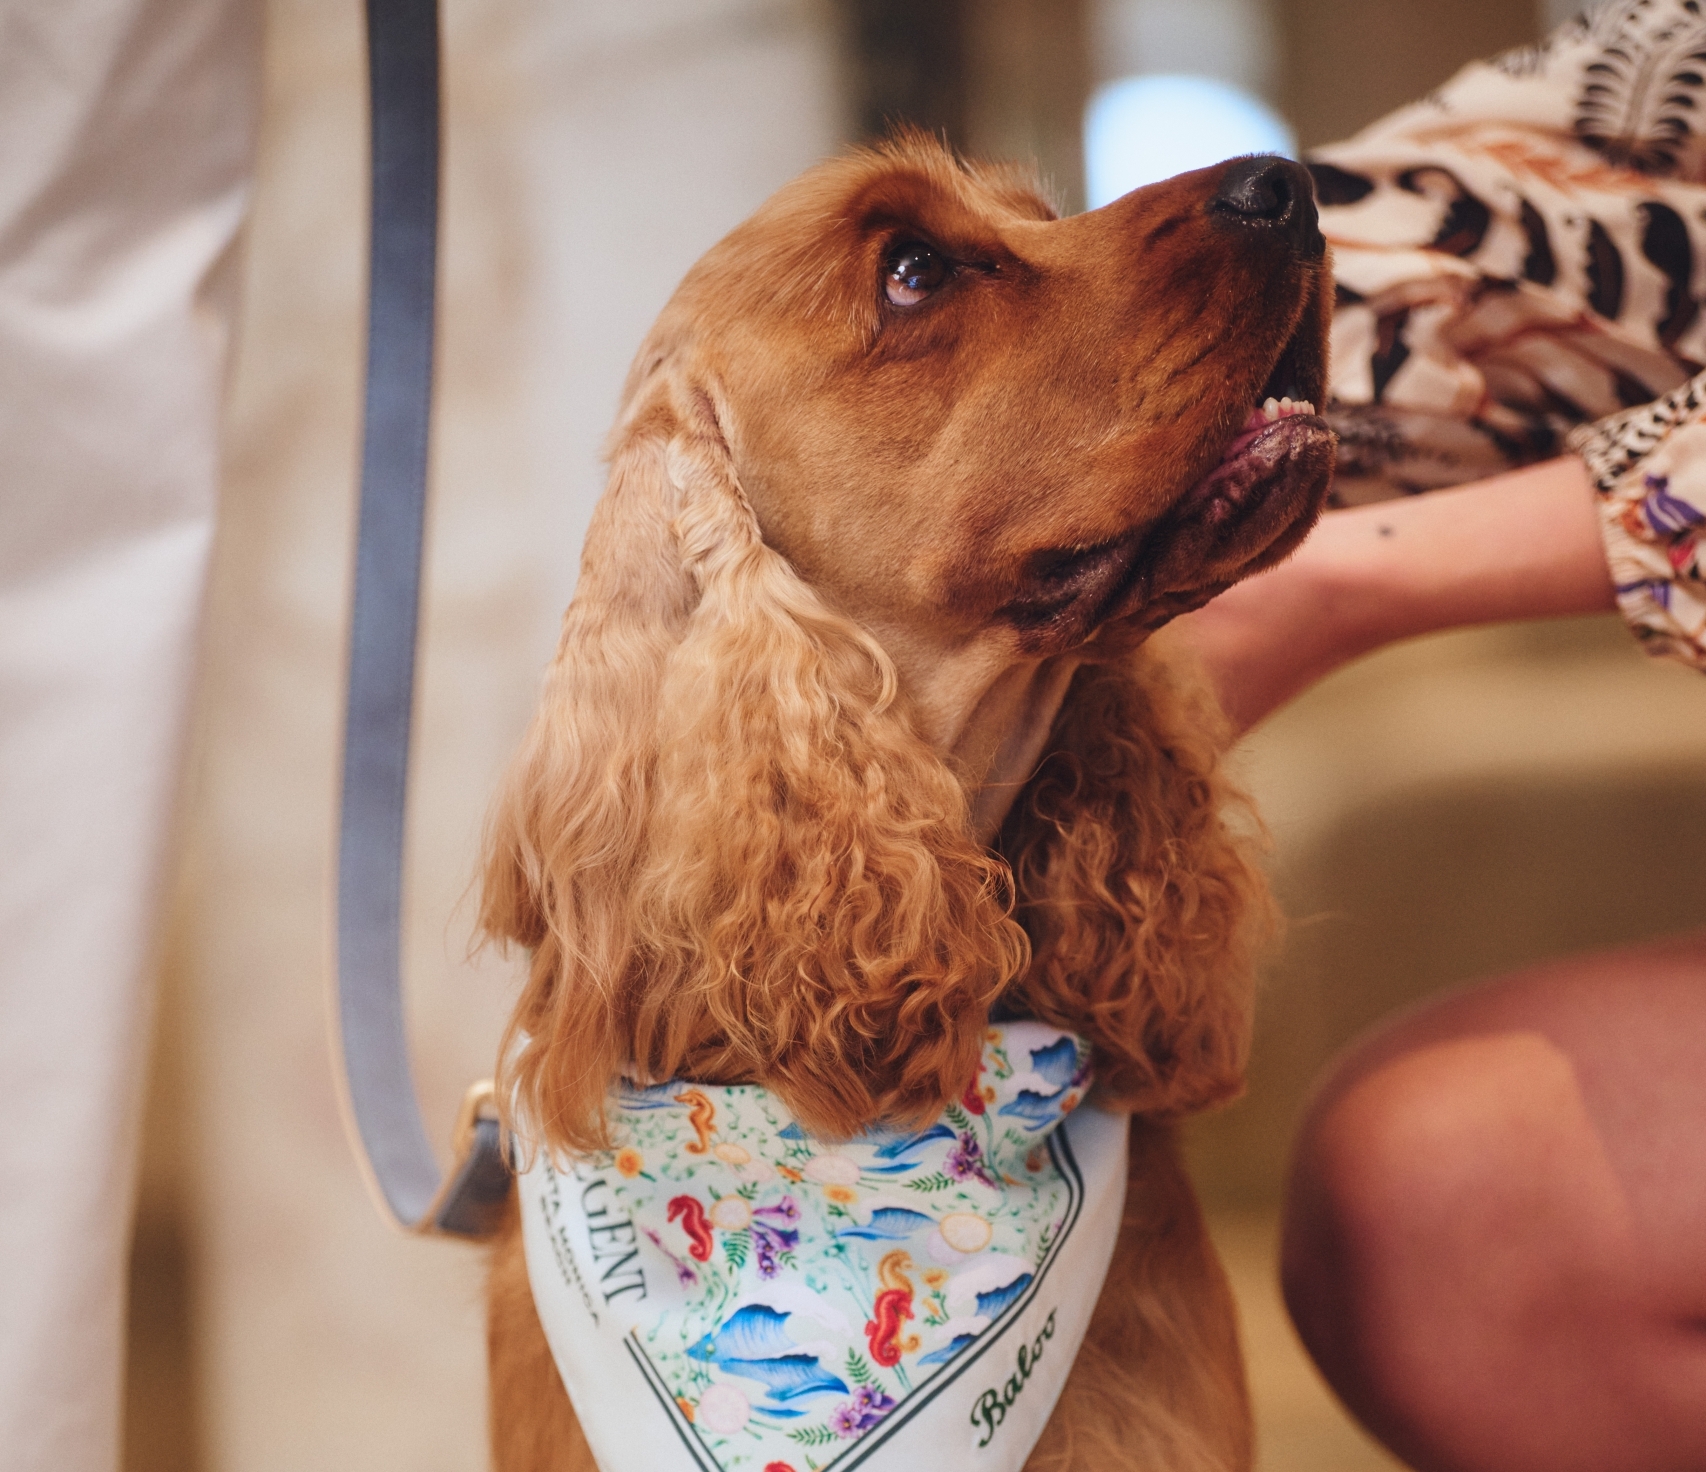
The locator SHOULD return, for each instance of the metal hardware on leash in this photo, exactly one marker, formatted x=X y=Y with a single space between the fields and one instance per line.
x=473 y=1194
x=389 y=1137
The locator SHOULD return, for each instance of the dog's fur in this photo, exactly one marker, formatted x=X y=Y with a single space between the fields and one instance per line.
x=854 y=734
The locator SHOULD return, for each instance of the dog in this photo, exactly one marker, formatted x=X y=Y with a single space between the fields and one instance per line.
x=856 y=736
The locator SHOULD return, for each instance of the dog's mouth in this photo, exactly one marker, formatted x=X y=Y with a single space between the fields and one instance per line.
x=1271 y=447
x=1250 y=510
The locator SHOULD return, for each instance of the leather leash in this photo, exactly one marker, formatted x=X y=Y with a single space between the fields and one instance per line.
x=389 y=1137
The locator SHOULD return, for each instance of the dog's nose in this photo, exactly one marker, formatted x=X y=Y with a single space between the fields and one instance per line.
x=1271 y=194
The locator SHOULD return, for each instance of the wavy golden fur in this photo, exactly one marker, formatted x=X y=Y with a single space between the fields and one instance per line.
x=731 y=853
x=854 y=734
x=1143 y=907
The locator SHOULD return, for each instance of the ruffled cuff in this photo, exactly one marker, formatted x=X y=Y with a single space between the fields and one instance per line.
x=1649 y=469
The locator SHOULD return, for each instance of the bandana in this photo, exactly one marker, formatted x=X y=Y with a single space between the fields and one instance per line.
x=722 y=1291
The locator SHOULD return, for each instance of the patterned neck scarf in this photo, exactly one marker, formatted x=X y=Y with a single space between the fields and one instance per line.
x=723 y=1292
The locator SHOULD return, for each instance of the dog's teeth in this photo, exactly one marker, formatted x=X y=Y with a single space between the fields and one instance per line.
x=1274 y=410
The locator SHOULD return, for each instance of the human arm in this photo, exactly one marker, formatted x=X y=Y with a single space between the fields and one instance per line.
x=1522 y=545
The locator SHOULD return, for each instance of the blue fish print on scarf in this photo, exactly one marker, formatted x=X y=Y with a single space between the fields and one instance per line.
x=755 y=1345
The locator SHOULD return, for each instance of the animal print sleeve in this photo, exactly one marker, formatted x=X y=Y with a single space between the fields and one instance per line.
x=1521 y=254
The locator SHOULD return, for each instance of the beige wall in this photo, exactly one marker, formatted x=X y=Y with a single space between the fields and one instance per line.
x=1349 y=61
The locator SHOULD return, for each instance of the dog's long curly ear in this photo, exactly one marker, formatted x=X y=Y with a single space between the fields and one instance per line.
x=1145 y=908
x=566 y=834
x=733 y=855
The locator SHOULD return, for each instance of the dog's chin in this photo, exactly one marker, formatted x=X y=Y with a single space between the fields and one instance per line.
x=1273 y=462
x=1257 y=503
x=1250 y=510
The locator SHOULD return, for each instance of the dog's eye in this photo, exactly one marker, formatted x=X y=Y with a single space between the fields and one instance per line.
x=912 y=272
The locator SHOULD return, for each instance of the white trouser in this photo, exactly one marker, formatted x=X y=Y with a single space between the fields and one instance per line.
x=126 y=135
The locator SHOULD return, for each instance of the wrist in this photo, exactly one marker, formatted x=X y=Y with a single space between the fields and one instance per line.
x=1521 y=545
x=1358 y=591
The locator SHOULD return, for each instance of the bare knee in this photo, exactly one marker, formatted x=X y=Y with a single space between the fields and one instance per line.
x=1453 y=1226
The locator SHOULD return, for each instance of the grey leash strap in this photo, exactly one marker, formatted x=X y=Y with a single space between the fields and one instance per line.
x=403 y=78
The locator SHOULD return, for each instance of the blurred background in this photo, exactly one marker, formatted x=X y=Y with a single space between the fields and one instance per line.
x=1444 y=810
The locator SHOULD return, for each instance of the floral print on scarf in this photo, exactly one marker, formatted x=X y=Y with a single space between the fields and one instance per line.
x=787 y=1296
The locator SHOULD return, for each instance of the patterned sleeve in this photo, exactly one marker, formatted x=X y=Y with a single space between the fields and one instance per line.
x=1649 y=468
x=1524 y=253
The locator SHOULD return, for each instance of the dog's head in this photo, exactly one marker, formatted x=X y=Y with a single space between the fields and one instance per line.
x=984 y=432
x=902 y=442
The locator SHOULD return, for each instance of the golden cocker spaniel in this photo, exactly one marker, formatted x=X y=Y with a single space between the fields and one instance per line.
x=854 y=735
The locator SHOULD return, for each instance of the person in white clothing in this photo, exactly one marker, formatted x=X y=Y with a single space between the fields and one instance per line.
x=128 y=135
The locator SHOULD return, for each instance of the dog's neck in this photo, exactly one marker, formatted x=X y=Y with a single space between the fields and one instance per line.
x=992 y=726
x=987 y=715
x=1004 y=737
